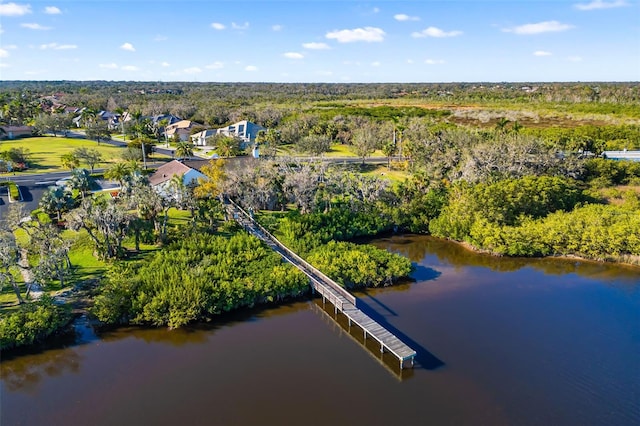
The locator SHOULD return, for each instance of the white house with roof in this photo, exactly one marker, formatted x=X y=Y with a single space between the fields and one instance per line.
x=200 y=138
x=244 y=130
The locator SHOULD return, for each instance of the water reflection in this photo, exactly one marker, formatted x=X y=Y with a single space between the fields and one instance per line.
x=25 y=373
x=541 y=345
x=198 y=333
x=423 y=249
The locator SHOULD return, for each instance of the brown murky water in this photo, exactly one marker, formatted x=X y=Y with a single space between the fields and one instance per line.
x=499 y=341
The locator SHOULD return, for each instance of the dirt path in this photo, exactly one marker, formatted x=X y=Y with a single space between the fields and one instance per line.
x=35 y=290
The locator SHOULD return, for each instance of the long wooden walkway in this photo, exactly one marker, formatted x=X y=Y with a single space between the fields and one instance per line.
x=343 y=301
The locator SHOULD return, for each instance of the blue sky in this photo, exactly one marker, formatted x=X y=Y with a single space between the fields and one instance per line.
x=321 y=40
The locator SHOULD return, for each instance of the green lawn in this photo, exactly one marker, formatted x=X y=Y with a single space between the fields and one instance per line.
x=381 y=170
x=339 y=150
x=47 y=150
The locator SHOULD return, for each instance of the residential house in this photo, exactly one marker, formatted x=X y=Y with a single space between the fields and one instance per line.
x=171 y=119
x=200 y=138
x=112 y=119
x=182 y=129
x=160 y=180
x=14 y=132
x=71 y=110
x=622 y=155
x=244 y=130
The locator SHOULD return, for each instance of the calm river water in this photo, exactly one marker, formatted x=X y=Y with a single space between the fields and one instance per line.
x=499 y=341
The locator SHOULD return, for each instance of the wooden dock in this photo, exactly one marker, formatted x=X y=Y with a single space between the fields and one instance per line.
x=343 y=301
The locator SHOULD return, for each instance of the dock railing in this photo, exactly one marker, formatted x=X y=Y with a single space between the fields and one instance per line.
x=339 y=289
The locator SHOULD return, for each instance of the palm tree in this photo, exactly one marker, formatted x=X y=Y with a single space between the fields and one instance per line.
x=118 y=172
x=227 y=145
x=120 y=112
x=184 y=150
x=88 y=116
x=501 y=125
x=136 y=116
x=516 y=127
x=160 y=129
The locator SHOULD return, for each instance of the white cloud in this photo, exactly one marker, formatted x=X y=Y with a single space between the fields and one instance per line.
x=410 y=61
x=4 y=53
x=3 y=65
x=130 y=68
x=539 y=28
x=215 y=66
x=368 y=34
x=316 y=46
x=56 y=46
x=599 y=4
x=11 y=46
x=160 y=37
x=403 y=17
x=128 y=46
x=376 y=10
x=218 y=26
x=240 y=26
x=251 y=68
x=435 y=32
x=52 y=10
x=110 y=66
x=165 y=64
x=541 y=53
x=293 y=55
x=434 y=61
x=375 y=64
x=34 y=26
x=574 y=58
x=276 y=27
x=14 y=9
x=192 y=70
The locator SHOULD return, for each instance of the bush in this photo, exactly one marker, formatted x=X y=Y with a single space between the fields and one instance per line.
x=303 y=233
x=14 y=192
x=196 y=278
x=32 y=323
x=354 y=265
x=507 y=202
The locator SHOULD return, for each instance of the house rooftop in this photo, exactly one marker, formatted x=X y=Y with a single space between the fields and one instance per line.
x=167 y=171
x=196 y=164
x=622 y=155
x=175 y=167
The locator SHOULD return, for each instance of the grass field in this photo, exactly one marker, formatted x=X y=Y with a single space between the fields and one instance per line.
x=393 y=175
x=47 y=150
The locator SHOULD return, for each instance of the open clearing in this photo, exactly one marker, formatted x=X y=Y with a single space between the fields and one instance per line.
x=47 y=150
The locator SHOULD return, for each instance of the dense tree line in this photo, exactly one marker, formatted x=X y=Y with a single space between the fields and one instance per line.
x=540 y=217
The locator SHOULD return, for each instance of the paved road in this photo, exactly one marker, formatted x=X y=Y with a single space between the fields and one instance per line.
x=31 y=197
